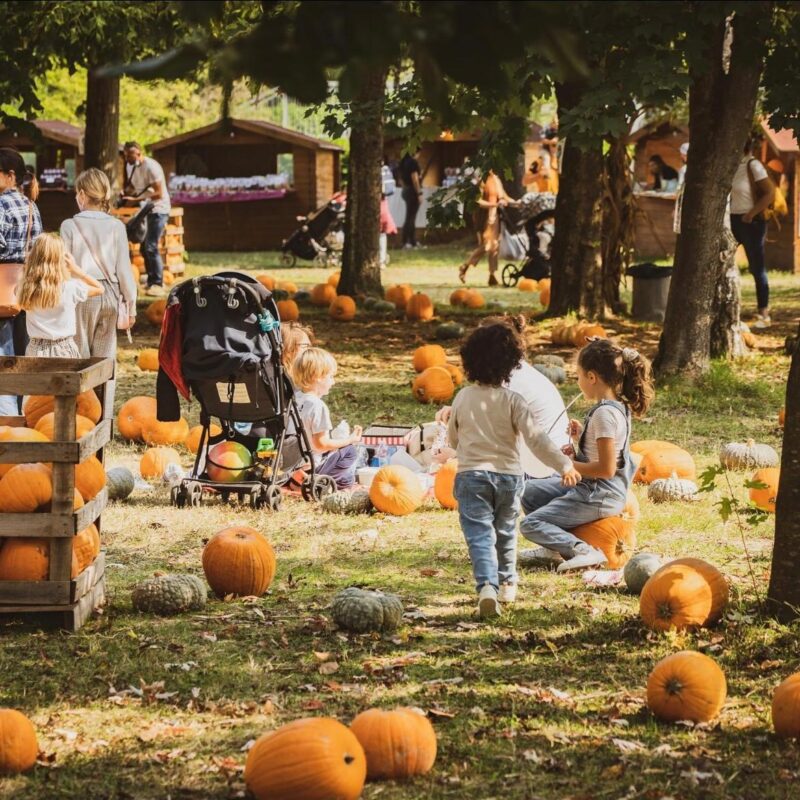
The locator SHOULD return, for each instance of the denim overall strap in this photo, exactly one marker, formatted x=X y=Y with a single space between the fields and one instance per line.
x=625 y=466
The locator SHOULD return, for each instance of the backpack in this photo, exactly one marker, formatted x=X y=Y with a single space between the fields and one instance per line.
x=136 y=226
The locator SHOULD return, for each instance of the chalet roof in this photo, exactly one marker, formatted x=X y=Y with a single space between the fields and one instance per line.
x=784 y=140
x=58 y=131
x=658 y=127
x=266 y=129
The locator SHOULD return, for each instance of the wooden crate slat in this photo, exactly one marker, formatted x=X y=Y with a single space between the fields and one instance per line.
x=89 y=577
x=14 y=422
x=37 y=525
x=52 y=376
x=86 y=515
x=70 y=617
x=63 y=486
x=94 y=440
x=33 y=593
x=31 y=452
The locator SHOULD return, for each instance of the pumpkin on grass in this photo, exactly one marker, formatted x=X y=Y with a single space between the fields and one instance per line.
x=639 y=569
x=419 y=308
x=239 y=561
x=192 y=440
x=662 y=463
x=26 y=488
x=748 y=455
x=474 y=299
x=155 y=460
x=288 y=311
x=155 y=312
x=672 y=490
x=133 y=414
x=686 y=685
x=458 y=297
x=266 y=280
x=528 y=285
x=366 y=610
x=169 y=594
x=765 y=498
x=19 y=745
x=615 y=536
x=333 y=278
x=342 y=308
x=46 y=426
x=148 y=360
x=90 y=478
x=398 y=744
x=455 y=373
x=28 y=559
x=10 y=434
x=120 y=483
x=164 y=433
x=308 y=759
x=786 y=708
x=544 y=297
x=399 y=294
x=322 y=295
x=287 y=286
x=444 y=484
x=434 y=385
x=429 y=355
x=36 y=406
x=396 y=490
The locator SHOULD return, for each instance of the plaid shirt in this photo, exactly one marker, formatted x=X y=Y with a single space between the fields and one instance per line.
x=14 y=226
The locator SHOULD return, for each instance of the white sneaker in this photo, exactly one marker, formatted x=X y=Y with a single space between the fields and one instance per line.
x=762 y=322
x=507 y=593
x=488 y=606
x=585 y=556
x=154 y=291
x=408 y=246
x=539 y=557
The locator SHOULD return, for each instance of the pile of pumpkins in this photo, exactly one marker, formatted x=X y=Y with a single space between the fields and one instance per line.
x=576 y=334
x=542 y=286
x=437 y=380
x=467 y=298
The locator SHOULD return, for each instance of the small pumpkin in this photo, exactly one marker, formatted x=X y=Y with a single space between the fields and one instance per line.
x=46 y=426
x=765 y=498
x=434 y=385
x=288 y=310
x=155 y=432
x=396 y=490
x=133 y=414
x=28 y=559
x=555 y=375
x=239 y=561
x=192 y=440
x=748 y=455
x=615 y=536
x=266 y=280
x=19 y=435
x=169 y=594
x=528 y=285
x=333 y=279
x=356 y=502
x=343 y=308
x=685 y=593
x=449 y=330
x=544 y=297
x=458 y=297
x=548 y=360
x=639 y=569
x=384 y=307
x=26 y=488
x=288 y=287
x=86 y=547
x=444 y=484
x=90 y=478
x=662 y=463
x=419 y=308
x=369 y=302
x=20 y=746
x=308 y=759
x=455 y=373
x=366 y=610
x=474 y=299
x=148 y=360
x=120 y=483
x=322 y=295
x=589 y=332
x=672 y=490
x=36 y=406
x=429 y=355
x=399 y=294
x=167 y=278
x=398 y=744
x=686 y=685
x=155 y=312
x=155 y=460
x=786 y=708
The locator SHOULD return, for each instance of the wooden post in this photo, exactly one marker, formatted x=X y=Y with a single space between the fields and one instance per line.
x=65 y=410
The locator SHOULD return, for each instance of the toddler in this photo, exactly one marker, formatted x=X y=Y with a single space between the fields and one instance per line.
x=485 y=426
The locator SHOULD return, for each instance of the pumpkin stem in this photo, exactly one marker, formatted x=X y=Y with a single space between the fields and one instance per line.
x=665 y=611
x=673 y=686
x=348 y=759
x=750 y=442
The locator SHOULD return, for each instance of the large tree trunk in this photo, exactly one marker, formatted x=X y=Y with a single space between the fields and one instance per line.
x=361 y=269
x=726 y=335
x=721 y=108
x=784 y=586
x=617 y=240
x=576 y=263
x=101 y=146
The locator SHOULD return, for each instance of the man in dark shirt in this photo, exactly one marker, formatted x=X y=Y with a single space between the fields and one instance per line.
x=412 y=193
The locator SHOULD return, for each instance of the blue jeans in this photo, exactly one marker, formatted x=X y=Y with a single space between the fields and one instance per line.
x=488 y=507
x=152 y=258
x=553 y=509
x=752 y=235
x=341 y=466
x=13 y=341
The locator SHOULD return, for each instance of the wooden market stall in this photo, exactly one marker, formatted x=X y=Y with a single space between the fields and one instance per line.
x=781 y=154
x=243 y=183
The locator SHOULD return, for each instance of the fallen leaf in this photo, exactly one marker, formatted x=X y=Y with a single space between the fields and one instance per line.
x=313 y=705
x=321 y=656
x=628 y=745
x=430 y=572
x=329 y=667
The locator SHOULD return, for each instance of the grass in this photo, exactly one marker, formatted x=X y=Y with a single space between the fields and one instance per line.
x=546 y=703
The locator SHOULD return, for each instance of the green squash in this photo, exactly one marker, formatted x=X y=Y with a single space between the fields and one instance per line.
x=120 y=483
x=364 y=610
x=548 y=360
x=384 y=307
x=495 y=305
x=169 y=594
x=280 y=294
x=449 y=330
x=553 y=374
x=356 y=502
x=302 y=296
x=639 y=569
x=369 y=302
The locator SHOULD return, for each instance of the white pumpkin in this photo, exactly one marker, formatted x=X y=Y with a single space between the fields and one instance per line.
x=672 y=489
x=748 y=455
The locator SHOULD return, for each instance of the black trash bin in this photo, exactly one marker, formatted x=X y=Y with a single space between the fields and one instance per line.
x=650 y=291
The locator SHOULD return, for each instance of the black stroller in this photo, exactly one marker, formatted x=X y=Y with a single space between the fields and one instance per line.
x=221 y=342
x=534 y=210
x=317 y=239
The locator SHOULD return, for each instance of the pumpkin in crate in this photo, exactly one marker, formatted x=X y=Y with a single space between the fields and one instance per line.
x=398 y=744
x=164 y=433
x=474 y=299
x=685 y=593
x=396 y=490
x=366 y=611
x=120 y=483
x=786 y=708
x=288 y=310
x=333 y=279
x=287 y=286
x=28 y=559
x=662 y=463
x=309 y=759
x=419 y=308
x=765 y=498
x=322 y=295
x=20 y=747
x=455 y=373
x=686 y=685
x=429 y=355
x=155 y=312
x=169 y=594
x=672 y=490
x=748 y=455
x=343 y=308
x=449 y=330
x=10 y=434
x=26 y=488
x=155 y=460
x=444 y=484
x=434 y=385
x=36 y=406
x=133 y=414
x=239 y=561
x=399 y=294
x=192 y=440
x=528 y=285
x=228 y=462
x=86 y=547
x=458 y=297
x=46 y=426
x=639 y=569
x=90 y=478
x=615 y=536
x=148 y=360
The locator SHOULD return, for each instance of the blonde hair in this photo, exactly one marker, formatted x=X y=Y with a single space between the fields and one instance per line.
x=294 y=335
x=95 y=185
x=43 y=275
x=312 y=365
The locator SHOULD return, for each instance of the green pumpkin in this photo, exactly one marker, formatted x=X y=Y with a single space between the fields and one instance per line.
x=369 y=302
x=553 y=374
x=548 y=360
x=302 y=296
x=356 y=502
x=120 y=483
x=639 y=569
x=495 y=305
x=169 y=594
x=384 y=307
x=280 y=294
x=449 y=330
x=364 y=610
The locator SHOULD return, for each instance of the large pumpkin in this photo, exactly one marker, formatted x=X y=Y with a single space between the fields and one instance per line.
x=164 y=433
x=765 y=498
x=308 y=759
x=155 y=461
x=455 y=373
x=444 y=483
x=46 y=426
x=615 y=536
x=86 y=546
x=28 y=559
x=587 y=332
x=398 y=744
x=419 y=308
x=686 y=593
x=133 y=414
x=434 y=385
x=239 y=561
x=36 y=406
x=528 y=285
x=26 y=488
x=400 y=294
x=333 y=278
x=192 y=440
x=287 y=286
x=155 y=312
x=458 y=297
x=663 y=463
x=19 y=746
x=342 y=308
x=646 y=445
x=786 y=708
x=148 y=360
x=288 y=310
x=429 y=355
x=10 y=434
x=686 y=685
x=90 y=478
x=396 y=490
x=474 y=299
x=323 y=294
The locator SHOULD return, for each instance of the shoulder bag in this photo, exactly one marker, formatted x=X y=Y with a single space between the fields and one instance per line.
x=11 y=276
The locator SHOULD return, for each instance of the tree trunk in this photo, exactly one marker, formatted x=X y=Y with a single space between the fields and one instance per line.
x=784 y=586
x=617 y=240
x=576 y=264
x=361 y=269
x=101 y=145
x=721 y=108
x=726 y=335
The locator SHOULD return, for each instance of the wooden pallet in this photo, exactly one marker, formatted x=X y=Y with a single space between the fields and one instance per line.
x=170 y=246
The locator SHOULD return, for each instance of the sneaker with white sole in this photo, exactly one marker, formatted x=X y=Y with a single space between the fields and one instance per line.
x=154 y=291
x=585 y=556
x=539 y=557
x=507 y=593
x=762 y=322
x=488 y=605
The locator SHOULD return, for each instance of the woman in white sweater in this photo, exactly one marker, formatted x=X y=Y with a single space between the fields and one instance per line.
x=99 y=244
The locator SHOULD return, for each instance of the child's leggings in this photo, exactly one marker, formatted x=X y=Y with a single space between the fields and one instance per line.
x=341 y=466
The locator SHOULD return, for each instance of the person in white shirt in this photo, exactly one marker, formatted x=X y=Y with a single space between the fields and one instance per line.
x=144 y=180
x=751 y=193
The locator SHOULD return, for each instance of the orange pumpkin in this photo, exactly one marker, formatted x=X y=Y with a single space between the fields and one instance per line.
x=686 y=593
x=192 y=440
x=444 y=484
x=287 y=286
x=168 y=278
x=90 y=478
x=786 y=708
x=322 y=295
x=308 y=759
x=544 y=297
x=148 y=360
x=474 y=299
x=686 y=685
x=455 y=373
x=588 y=331
x=28 y=559
x=239 y=561
x=434 y=385
x=400 y=294
x=419 y=308
x=266 y=280
x=133 y=414
x=333 y=279
x=25 y=488
x=288 y=310
x=155 y=461
x=398 y=744
x=458 y=297
x=156 y=432
x=11 y=434
x=544 y=283
x=343 y=308
x=429 y=355
x=396 y=490
x=528 y=285
x=663 y=462
x=646 y=445
x=20 y=747
x=615 y=536
x=86 y=546
x=155 y=312
x=765 y=498
x=631 y=510
x=46 y=426
x=36 y=406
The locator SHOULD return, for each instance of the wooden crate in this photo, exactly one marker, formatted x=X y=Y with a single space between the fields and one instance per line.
x=171 y=245
x=61 y=599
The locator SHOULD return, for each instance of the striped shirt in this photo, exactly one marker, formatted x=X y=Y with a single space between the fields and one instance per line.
x=14 y=209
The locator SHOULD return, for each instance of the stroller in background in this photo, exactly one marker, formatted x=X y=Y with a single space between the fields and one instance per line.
x=221 y=341
x=534 y=209
x=319 y=237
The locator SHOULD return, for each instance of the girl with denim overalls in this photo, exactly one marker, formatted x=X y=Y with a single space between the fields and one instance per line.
x=619 y=382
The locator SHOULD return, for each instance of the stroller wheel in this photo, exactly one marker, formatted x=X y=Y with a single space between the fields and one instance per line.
x=288 y=259
x=510 y=275
x=194 y=494
x=318 y=487
x=274 y=497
